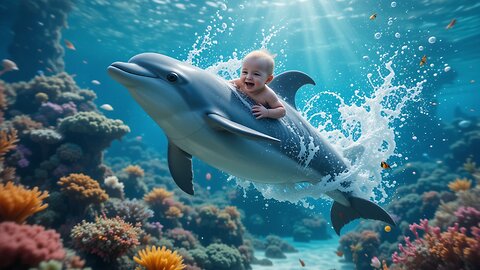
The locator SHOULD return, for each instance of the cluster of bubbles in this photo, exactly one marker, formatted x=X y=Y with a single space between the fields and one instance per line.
x=217 y=25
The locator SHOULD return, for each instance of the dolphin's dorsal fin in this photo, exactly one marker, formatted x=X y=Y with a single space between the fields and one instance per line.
x=180 y=166
x=287 y=83
x=238 y=129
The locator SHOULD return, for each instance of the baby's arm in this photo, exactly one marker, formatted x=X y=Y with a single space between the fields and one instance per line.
x=277 y=110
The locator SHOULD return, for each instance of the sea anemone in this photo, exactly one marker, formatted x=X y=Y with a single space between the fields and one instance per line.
x=153 y=258
x=460 y=185
x=18 y=203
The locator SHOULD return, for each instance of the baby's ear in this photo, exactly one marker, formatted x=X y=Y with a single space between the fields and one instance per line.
x=269 y=79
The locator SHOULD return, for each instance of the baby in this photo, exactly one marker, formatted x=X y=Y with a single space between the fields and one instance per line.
x=257 y=71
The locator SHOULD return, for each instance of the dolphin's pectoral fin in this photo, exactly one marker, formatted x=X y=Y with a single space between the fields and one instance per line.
x=287 y=84
x=180 y=165
x=359 y=208
x=238 y=129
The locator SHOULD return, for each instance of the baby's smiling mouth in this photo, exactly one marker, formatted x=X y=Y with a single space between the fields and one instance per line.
x=249 y=84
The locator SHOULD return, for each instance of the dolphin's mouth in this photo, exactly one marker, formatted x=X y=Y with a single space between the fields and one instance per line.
x=132 y=68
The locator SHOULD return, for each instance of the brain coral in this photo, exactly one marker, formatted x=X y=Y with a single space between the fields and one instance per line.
x=92 y=128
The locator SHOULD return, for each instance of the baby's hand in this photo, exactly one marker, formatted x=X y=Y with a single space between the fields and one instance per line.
x=259 y=111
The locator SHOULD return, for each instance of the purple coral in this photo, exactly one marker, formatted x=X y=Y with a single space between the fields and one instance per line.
x=467 y=217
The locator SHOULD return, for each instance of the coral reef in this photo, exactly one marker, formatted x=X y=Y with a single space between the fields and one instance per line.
x=108 y=238
x=132 y=178
x=83 y=188
x=219 y=225
x=451 y=249
x=24 y=246
x=131 y=211
x=92 y=130
x=18 y=203
x=182 y=238
x=153 y=258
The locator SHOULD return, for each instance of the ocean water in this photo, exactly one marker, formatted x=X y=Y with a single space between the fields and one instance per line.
x=396 y=82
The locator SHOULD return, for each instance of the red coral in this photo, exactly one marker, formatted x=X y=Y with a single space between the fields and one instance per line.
x=27 y=245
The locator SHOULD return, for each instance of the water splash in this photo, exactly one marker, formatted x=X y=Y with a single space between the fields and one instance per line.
x=363 y=131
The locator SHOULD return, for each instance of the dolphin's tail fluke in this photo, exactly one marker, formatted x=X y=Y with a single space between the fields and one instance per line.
x=359 y=208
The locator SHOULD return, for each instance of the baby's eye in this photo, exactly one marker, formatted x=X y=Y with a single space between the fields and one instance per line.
x=244 y=72
x=257 y=74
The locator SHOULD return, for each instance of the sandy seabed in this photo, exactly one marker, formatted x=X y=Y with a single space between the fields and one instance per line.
x=318 y=255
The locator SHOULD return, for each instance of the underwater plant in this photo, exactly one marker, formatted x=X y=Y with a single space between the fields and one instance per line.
x=18 y=203
x=153 y=258
x=108 y=238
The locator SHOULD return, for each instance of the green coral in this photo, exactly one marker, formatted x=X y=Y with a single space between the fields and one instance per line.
x=91 y=128
x=221 y=256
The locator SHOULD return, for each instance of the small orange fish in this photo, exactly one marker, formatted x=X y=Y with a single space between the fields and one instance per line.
x=339 y=253
x=373 y=17
x=451 y=24
x=69 y=45
x=302 y=263
x=423 y=61
x=384 y=165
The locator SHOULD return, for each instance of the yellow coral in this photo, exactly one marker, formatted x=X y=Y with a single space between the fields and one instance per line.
x=134 y=171
x=18 y=203
x=460 y=185
x=174 y=212
x=157 y=196
x=83 y=187
x=153 y=258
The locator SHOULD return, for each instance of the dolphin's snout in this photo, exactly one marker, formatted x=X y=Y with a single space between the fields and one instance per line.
x=132 y=68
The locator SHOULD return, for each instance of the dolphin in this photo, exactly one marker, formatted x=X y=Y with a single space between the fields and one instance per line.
x=204 y=116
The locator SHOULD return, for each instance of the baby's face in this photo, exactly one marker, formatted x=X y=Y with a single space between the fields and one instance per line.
x=254 y=74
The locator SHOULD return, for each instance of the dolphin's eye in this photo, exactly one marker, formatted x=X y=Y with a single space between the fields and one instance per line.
x=172 y=77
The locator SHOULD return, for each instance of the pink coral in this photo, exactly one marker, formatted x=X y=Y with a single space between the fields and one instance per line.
x=452 y=249
x=467 y=216
x=27 y=245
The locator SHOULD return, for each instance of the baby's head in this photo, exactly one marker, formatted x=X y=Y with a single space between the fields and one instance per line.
x=264 y=58
x=257 y=70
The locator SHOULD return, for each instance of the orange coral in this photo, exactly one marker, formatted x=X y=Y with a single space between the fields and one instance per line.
x=153 y=258
x=174 y=212
x=134 y=171
x=83 y=187
x=18 y=203
x=232 y=211
x=157 y=196
x=460 y=185
x=7 y=142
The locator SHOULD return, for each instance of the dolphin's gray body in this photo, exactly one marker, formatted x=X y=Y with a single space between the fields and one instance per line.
x=204 y=116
